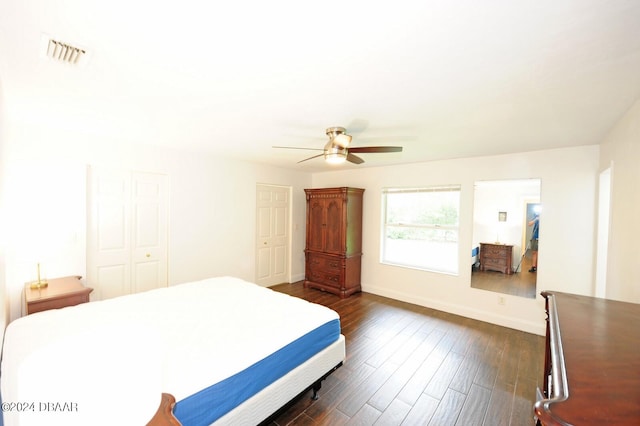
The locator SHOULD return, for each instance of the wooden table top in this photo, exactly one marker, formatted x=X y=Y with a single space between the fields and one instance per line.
x=58 y=287
x=601 y=347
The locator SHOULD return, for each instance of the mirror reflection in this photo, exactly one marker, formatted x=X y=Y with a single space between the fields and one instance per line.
x=506 y=222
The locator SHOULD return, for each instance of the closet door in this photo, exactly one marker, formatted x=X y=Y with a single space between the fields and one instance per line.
x=126 y=232
x=273 y=204
x=109 y=233
x=149 y=231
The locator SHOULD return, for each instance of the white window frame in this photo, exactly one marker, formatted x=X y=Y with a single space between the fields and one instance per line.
x=440 y=261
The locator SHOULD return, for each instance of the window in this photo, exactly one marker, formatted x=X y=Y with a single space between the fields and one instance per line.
x=421 y=227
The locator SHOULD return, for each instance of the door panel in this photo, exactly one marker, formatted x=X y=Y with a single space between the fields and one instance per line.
x=264 y=264
x=111 y=280
x=108 y=237
x=272 y=234
x=263 y=229
x=264 y=221
x=150 y=234
x=146 y=275
x=280 y=263
x=316 y=233
x=333 y=233
x=112 y=225
x=147 y=220
x=127 y=232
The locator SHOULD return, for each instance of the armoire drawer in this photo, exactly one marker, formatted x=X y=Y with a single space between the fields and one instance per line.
x=322 y=277
x=327 y=263
x=324 y=269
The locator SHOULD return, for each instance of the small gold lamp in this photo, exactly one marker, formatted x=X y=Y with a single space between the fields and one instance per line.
x=41 y=283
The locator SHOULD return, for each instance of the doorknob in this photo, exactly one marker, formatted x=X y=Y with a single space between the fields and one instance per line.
x=148 y=255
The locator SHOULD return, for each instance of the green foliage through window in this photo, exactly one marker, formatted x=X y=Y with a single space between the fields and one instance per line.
x=427 y=220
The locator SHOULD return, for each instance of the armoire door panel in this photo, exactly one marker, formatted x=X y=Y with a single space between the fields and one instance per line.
x=333 y=230
x=315 y=234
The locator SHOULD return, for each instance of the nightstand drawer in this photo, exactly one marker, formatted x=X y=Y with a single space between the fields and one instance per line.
x=501 y=263
x=59 y=293
x=45 y=305
x=496 y=257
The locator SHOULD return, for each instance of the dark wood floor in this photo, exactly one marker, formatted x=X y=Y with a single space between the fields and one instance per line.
x=410 y=365
x=521 y=283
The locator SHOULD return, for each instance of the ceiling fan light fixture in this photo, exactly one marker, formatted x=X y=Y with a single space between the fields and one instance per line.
x=337 y=151
x=335 y=157
x=334 y=154
x=342 y=140
x=338 y=137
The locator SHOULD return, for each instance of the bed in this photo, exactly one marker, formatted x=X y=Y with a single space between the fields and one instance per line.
x=226 y=351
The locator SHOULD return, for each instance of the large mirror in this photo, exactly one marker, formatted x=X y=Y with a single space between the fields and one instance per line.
x=504 y=253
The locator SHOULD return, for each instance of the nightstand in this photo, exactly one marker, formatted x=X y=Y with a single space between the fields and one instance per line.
x=496 y=257
x=60 y=293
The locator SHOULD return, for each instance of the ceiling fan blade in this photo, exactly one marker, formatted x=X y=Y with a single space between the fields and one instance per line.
x=364 y=149
x=297 y=147
x=354 y=159
x=311 y=158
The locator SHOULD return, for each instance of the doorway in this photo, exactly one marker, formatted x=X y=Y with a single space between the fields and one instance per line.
x=532 y=209
x=602 y=246
x=273 y=236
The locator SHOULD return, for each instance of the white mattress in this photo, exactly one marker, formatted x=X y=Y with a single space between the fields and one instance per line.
x=125 y=352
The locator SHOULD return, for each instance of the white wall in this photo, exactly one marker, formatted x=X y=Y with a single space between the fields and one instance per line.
x=568 y=190
x=621 y=150
x=212 y=206
x=4 y=307
x=212 y=216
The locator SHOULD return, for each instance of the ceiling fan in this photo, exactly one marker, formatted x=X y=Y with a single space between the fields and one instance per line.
x=337 y=150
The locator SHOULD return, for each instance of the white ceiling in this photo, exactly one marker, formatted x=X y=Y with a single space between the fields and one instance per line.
x=444 y=79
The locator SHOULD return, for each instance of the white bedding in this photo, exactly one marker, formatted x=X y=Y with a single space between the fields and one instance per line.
x=124 y=352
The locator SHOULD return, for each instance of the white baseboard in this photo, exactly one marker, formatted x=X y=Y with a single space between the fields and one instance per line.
x=477 y=314
x=297 y=277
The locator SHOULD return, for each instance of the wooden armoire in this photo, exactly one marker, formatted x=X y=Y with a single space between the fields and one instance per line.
x=334 y=240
